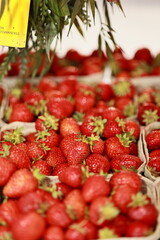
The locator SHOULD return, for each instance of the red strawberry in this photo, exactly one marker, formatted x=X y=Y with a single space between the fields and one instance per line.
x=48 y=138
x=9 y=211
x=57 y=216
x=59 y=168
x=138 y=229
x=68 y=86
x=126 y=177
x=126 y=105
x=57 y=107
x=14 y=136
x=47 y=84
x=123 y=88
x=95 y=186
x=25 y=226
x=46 y=121
x=75 y=204
x=36 y=151
x=20 y=112
x=72 y=176
x=102 y=209
x=143 y=54
x=97 y=146
x=51 y=231
x=154 y=166
x=19 y=157
x=133 y=149
x=113 y=127
x=104 y=91
x=89 y=228
x=132 y=127
x=16 y=186
x=63 y=188
x=93 y=126
x=74 y=148
x=148 y=113
x=154 y=153
x=120 y=223
x=98 y=163
x=73 y=233
x=153 y=139
x=111 y=113
x=84 y=100
x=125 y=161
x=33 y=97
x=7 y=168
x=55 y=156
x=69 y=126
x=43 y=167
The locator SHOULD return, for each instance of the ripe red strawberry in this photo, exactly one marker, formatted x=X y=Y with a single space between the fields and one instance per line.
x=55 y=156
x=148 y=113
x=93 y=126
x=72 y=176
x=43 y=167
x=25 y=226
x=123 y=88
x=127 y=192
x=46 y=121
x=20 y=112
x=74 y=148
x=153 y=139
x=84 y=100
x=63 y=188
x=69 y=126
x=132 y=127
x=36 y=151
x=97 y=145
x=14 y=136
x=89 y=228
x=19 y=157
x=154 y=153
x=120 y=223
x=126 y=177
x=138 y=229
x=68 y=86
x=47 y=84
x=97 y=163
x=115 y=146
x=33 y=97
x=57 y=215
x=133 y=149
x=59 y=168
x=95 y=186
x=143 y=54
x=7 y=168
x=154 y=166
x=102 y=209
x=125 y=161
x=57 y=107
x=113 y=127
x=104 y=91
x=111 y=113
x=73 y=233
x=16 y=186
x=126 y=105
x=51 y=231
x=75 y=204
x=101 y=106
x=9 y=211
x=48 y=138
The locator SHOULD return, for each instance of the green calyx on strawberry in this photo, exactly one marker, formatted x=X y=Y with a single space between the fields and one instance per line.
x=49 y=121
x=87 y=92
x=129 y=109
x=78 y=116
x=126 y=138
x=7 y=113
x=16 y=92
x=7 y=236
x=79 y=227
x=121 y=123
x=43 y=208
x=6 y=151
x=51 y=189
x=108 y=212
x=38 y=109
x=14 y=136
x=70 y=212
x=150 y=116
x=138 y=200
x=98 y=124
x=107 y=233
x=91 y=139
x=42 y=134
x=121 y=88
x=157 y=98
x=143 y=98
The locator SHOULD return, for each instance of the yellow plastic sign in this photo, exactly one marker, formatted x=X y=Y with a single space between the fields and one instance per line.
x=14 y=22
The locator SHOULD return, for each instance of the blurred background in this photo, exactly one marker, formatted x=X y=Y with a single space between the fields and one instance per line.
x=138 y=28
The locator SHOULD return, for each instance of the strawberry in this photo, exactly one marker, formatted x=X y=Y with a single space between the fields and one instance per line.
x=68 y=86
x=19 y=157
x=138 y=229
x=93 y=125
x=126 y=177
x=69 y=126
x=126 y=105
x=154 y=153
x=36 y=151
x=120 y=223
x=43 y=167
x=153 y=139
x=25 y=226
x=75 y=204
x=57 y=215
x=104 y=91
x=47 y=84
x=55 y=156
x=125 y=161
x=148 y=113
x=154 y=166
x=133 y=149
x=48 y=138
x=96 y=145
x=95 y=186
x=33 y=97
x=7 y=168
x=20 y=112
x=14 y=136
x=89 y=228
x=46 y=121
x=127 y=192
x=9 y=211
x=84 y=100
x=16 y=186
x=97 y=163
x=111 y=113
x=72 y=176
x=123 y=88
x=57 y=107
x=143 y=54
x=51 y=231
x=63 y=188
x=102 y=209
x=115 y=146
x=75 y=232
x=74 y=148
x=113 y=127
x=132 y=127
x=59 y=168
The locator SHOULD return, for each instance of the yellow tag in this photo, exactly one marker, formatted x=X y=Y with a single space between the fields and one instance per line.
x=14 y=22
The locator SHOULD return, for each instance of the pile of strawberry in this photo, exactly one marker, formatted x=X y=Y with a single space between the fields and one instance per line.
x=79 y=207
x=143 y=63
